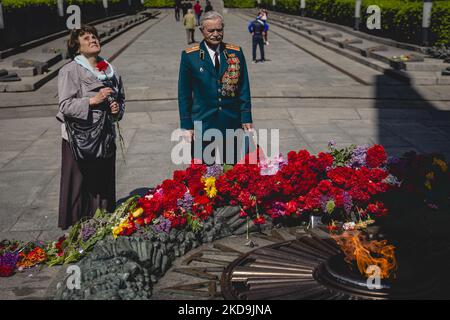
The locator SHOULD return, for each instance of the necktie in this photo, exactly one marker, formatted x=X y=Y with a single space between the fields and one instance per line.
x=216 y=62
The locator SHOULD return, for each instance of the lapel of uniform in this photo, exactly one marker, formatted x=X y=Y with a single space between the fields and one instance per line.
x=205 y=59
x=223 y=60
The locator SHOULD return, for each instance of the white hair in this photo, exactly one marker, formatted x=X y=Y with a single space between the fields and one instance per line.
x=211 y=15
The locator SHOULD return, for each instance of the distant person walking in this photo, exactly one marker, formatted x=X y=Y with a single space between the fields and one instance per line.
x=189 y=24
x=198 y=12
x=184 y=7
x=208 y=7
x=258 y=28
x=264 y=15
x=177 y=10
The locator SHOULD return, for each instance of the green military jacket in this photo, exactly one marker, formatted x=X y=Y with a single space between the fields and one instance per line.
x=221 y=101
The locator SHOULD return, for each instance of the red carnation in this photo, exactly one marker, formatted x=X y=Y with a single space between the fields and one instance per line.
x=58 y=246
x=202 y=200
x=378 y=174
x=322 y=162
x=376 y=156
x=259 y=220
x=324 y=186
x=359 y=195
x=102 y=66
x=291 y=207
x=341 y=175
x=179 y=175
x=378 y=209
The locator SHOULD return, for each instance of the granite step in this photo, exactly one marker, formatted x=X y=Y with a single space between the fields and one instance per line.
x=30 y=64
x=429 y=65
x=39 y=65
x=418 y=69
x=327 y=36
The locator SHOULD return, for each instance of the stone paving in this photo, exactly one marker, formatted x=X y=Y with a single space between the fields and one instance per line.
x=309 y=101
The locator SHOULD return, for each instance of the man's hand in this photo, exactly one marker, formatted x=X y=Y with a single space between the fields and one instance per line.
x=247 y=126
x=188 y=136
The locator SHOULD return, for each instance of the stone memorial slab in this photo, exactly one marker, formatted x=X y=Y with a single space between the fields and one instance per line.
x=10 y=77
x=41 y=67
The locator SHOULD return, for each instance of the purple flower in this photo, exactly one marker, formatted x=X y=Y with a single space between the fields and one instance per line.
x=348 y=202
x=324 y=202
x=186 y=202
x=332 y=144
x=87 y=232
x=278 y=209
x=9 y=259
x=164 y=225
x=359 y=155
x=214 y=171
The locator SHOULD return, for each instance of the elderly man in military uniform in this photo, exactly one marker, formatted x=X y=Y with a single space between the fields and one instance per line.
x=214 y=93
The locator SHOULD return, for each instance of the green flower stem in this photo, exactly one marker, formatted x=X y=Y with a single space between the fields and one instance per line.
x=248 y=231
x=121 y=140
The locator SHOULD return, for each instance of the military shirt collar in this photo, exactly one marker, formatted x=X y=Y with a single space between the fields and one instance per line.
x=213 y=52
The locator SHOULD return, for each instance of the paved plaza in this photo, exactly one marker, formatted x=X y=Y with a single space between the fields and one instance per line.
x=308 y=100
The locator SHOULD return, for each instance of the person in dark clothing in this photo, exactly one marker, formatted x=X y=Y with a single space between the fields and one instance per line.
x=83 y=90
x=258 y=29
x=184 y=7
x=177 y=10
x=208 y=6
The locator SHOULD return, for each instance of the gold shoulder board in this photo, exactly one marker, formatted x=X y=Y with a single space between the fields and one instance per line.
x=232 y=47
x=192 y=49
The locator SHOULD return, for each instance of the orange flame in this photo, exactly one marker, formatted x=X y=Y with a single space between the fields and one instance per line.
x=366 y=253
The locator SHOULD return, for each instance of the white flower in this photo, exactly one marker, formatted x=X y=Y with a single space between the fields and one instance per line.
x=349 y=226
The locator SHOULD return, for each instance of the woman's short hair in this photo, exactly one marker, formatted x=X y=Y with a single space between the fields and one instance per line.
x=211 y=15
x=73 y=44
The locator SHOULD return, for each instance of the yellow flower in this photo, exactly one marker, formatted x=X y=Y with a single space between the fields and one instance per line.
x=116 y=231
x=441 y=164
x=210 y=187
x=430 y=175
x=428 y=185
x=138 y=213
x=119 y=228
x=124 y=223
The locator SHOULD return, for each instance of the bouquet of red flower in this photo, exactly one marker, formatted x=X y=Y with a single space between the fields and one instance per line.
x=188 y=198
